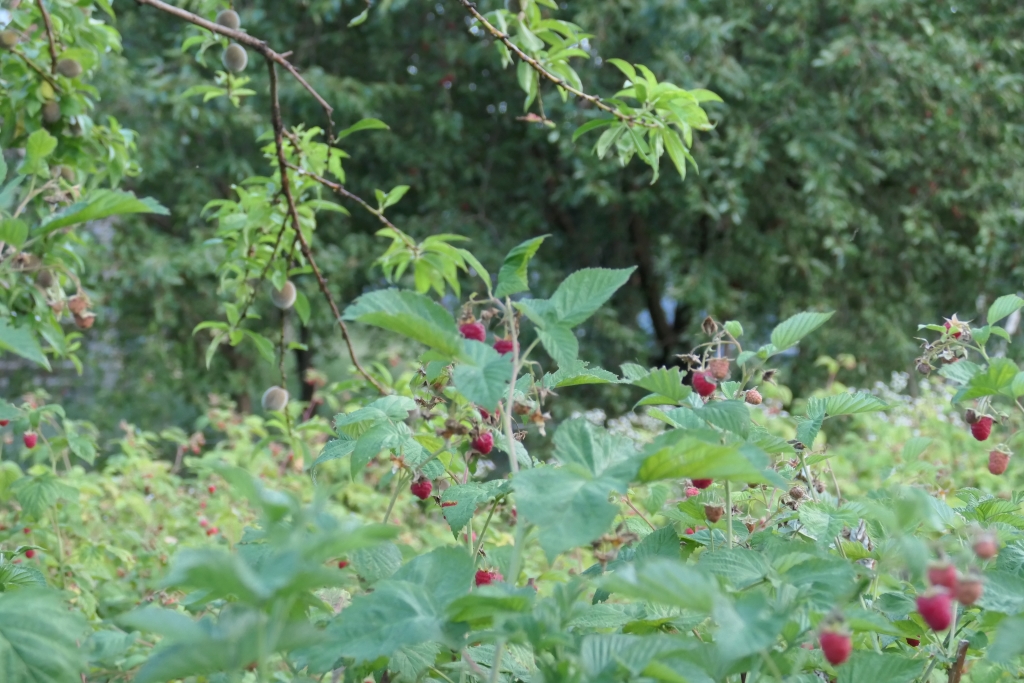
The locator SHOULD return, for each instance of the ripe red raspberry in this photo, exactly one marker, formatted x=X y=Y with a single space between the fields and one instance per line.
x=475 y=331
x=27 y=530
x=30 y=553
x=504 y=346
x=936 y=607
x=942 y=574
x=484 y=577
x=422 y=488
x=484 y=414
x=342 y=564
x=483 y=443
x=997 y=461
x=4 y=423
x=30 y=439
x=981 y=429
x=837 y=646
x=703 y=384
x=753 y=397
x=913 y=642
x=211 y=531
x=969 y=590
x=692 y=491
x=211 y=488
x=949 y=326
x=986 y=546
x=203 y=522
x=702 y=483
x=690 y=531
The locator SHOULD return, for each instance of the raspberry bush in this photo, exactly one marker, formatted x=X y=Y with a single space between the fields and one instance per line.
x=721 y=531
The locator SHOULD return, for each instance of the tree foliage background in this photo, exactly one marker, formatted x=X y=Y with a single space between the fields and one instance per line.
x=866 y=158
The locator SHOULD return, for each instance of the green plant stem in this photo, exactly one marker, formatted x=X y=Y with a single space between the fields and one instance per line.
x=513 y=460
x=60 y=547
x=627 y=501
x=441 y=674
x=952 y=632
x=499 y=650
x=928 y=671
x=480 y=543
x=771 y=664
x=728 y=514
x=517 y=553
x=809 y=475
x=399 y=482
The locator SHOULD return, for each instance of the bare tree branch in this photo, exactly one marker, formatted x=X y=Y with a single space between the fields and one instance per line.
x=275 y=114
x=49 y=35
x=340 y=190
x=957 y=670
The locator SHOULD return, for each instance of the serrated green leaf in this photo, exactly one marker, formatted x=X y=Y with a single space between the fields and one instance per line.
x=38 y=637
x=13 y=231
x=512 y=277
x=1002 y=307
x=871 y=667
x=732 y=416
x=463 y=500
x=582 y=293
x=960 y=372
x=560 y=342
x=484 y=375
x=996 y=379
x=21 y=341
x=377 y=563
x=792 y=330
x=849 y=403
x=100 y=204
x=677 y=454
x=666 y=382
x=38 y=494
x=410 y=314
x=40 y=144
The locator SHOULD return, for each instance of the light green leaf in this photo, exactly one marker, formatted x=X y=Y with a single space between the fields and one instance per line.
x=410 y=314
x=467 y=498
x=581 y=294
x=1002 y=307
x=37 y=495
x=850 y=403
x=914 y=447
x=871 y=667
x=359 y=19
x=40 y=144
x=38 y=635
x=484 y=375
x=364 y=124
x=996 y=379
x=512 y=275
x=378 y=562
x=577 y=373
x=21 y=341
x=100 y=204
x=667 y=382
x=560 y=342
x=732 y=416
x=677 y=454
x=792 y=330
x=13 y=231
x=960 y=372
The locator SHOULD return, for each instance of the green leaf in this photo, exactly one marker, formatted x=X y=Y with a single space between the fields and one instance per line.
x=365 y=124
x=808 y=427
x=569 y=504
x=40 y=144
x=732 y=416
x=463 y=500
x=960 y=372
x=589 y=126
x=302 y=307
x=484 y=375
x=665 y=582
x=100 y=204
x=1007 y=643
x=21 y=341
x=662 y=543
x=38 y=494
x=871 y=667
x=581 y=294
x=560 y=342
x=667 y=382
x=410 y=314
x=512 y=277
x=849 y=403
x=359 y=19
x=914 y=447
x=577 y=373
x=739 y=567
x=1002 y=307
x=13 y=231
x=996 y=379
x=678 y=454
x=792 y=330
x=15 y=576
x=377 y=563
x=38 y=637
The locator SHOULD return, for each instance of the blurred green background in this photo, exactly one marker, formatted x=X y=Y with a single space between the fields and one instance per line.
x=867 y=158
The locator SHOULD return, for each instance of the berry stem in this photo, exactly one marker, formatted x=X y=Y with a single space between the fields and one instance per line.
x=480 y=543
x=952 y=632
x=399 y=484
x=627 y=501
x=810 y=477
x=510 y=316
x=499 y=650
x=728 y=514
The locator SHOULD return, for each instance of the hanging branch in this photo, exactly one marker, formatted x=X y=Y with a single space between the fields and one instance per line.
x=49 y=35
x=554 y=78
x=340 y=190
x=274 y=58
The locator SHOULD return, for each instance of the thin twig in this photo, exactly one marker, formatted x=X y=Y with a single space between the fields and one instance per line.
x=49 y=35
x=38 y=69
x=244 y=39
x=340 y=190
x=627 y=501
x=557 y=80
x=275 y=111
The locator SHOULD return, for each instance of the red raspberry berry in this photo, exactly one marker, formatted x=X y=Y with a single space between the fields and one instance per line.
x=969 y=590
x=342 y=564
x=30 y=439
x=484 y=577
x=936 y=607
x=942 y=574
x=504 y=346
x=837 y=646
x=30 y=553
x=692 y=491
x=913 y=642
x=690 y=531
x=981 y=429
x=475 y=331
x=211 y=531
x=27 y=530
x=483 y=443
x=422 y=488
x=986 y=546
x=702 y=483
x=4 y=423
x=703 y=384
x=997 y=461
x=948 y=325
x=211 y=488
x=484 y=414
x=203 y=522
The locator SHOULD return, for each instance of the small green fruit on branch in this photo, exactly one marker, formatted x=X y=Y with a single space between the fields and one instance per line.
x=69 y=68
x=235 y=58
x=275 y=399
x=228 y=18
x=284 y=298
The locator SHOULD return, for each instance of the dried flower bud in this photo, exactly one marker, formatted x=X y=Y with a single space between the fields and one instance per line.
x=709 y=326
